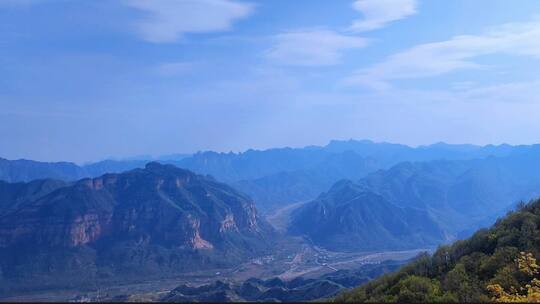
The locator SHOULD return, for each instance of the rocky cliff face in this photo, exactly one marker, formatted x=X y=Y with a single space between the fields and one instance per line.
x=161 y=209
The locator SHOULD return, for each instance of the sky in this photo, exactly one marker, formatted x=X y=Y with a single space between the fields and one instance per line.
x=88 y=80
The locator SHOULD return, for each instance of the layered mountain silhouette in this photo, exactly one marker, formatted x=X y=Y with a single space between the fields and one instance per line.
x=26 y=170
x=156 y=220
x=454 y=197
x=273 y=177
x=279 y=189
x=460 y=195
x=350 y=217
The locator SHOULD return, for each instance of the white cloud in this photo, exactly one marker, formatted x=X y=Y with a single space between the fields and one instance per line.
x=168 y=20
x=378 y=13
x=458 y=53
x=317 y=47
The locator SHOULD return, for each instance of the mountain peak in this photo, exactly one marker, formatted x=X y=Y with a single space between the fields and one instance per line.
x=160 y=206
x=351 y=217
x=159 y=167
x=153 y=165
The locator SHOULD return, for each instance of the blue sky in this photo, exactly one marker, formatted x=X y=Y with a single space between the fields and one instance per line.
x=86 y=80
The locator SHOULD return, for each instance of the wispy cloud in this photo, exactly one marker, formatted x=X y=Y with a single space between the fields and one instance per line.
x=513 y=92
x=174 y=68
x=457 y=53
x=324 y=47
x=378 y=13
x=315 y=47
x=168 y=20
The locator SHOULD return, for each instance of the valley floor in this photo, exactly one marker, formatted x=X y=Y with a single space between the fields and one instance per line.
x=297 y=258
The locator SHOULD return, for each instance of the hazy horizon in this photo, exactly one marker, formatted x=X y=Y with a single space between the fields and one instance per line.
x=84 y=81
x=164 y=156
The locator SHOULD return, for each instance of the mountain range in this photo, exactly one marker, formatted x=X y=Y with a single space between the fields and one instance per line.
x=62 y=224
x=273 y=177
x=436 y=201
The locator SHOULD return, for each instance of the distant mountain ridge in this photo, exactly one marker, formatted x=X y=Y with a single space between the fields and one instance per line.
x=23 y=170
x=253 y=164
x=27 y=170
x=273 y=177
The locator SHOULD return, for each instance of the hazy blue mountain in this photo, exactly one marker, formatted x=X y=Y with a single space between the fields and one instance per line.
x=146 y=222
x=390 y=154
x=350 y=217
x=460 y=195
x=112 y=166
x=279 y=189
x=277 y=177
x=252 y=164
x=27 y=170
x=170 y=157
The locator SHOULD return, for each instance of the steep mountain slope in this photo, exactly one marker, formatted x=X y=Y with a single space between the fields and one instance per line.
x=461 y=195
x=12 y=196
x=150 y=221
x=349 y=217
x=491 y=265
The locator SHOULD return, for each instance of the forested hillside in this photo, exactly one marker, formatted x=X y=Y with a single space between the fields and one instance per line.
x=496 y=264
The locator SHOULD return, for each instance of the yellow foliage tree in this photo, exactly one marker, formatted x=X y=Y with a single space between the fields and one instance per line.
x=526 y=263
